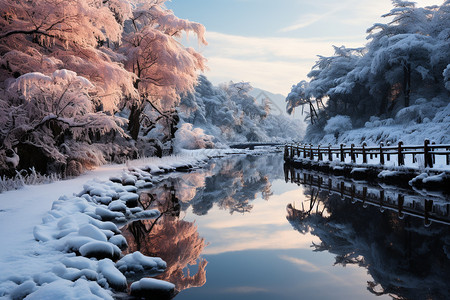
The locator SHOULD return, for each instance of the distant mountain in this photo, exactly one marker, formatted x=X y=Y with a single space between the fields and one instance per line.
x=277 y=101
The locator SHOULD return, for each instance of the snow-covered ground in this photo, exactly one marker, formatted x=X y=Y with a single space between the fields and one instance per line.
x=44 y=227
x=434 y=125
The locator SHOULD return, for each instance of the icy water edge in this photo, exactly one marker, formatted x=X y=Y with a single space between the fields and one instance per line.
x=247 y=227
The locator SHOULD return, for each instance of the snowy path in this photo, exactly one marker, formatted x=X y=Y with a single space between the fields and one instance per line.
x=22 y=209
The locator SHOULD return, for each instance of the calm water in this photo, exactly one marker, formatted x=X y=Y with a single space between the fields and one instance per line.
x=247 y=228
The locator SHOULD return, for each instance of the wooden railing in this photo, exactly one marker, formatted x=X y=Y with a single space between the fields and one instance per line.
x=429 y=152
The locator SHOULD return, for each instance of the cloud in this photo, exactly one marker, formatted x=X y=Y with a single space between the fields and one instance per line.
x=268 y=48
x=304 y=265
x=304 y=22
x=273 y=76
x=272 y=63
x=333 y=12
x=264 y=228
x=310 y=19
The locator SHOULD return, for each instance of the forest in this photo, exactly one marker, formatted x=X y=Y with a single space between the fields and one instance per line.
x=399 y=79
x=85 y=82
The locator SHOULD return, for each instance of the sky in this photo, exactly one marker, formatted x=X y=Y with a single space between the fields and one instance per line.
x=274 y=44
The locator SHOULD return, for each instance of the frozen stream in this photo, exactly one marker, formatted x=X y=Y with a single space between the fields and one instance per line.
x=237 y=230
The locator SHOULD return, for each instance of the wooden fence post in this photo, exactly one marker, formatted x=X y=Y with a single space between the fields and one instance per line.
x=401 y=158
x=364 y=154
x=292 y=171
x=342 y=153
x=286 y=151
x=400 y=203
x=292 y=152
x=381 y=200
x=304 y=151
x=319 y=154
x=311 y=155
x=388 y=156
x=447 y=160
x=352 y=153
x=330 y=155
x=353 y=192
x=381 y=154
x=433 y=155
x=427 y=155
x=428 y=209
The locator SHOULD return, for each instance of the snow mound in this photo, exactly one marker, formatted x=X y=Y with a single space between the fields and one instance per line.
x=114 y=277
x=100 y=250
x=138 y=263
x=149 y=286
x=80 y=225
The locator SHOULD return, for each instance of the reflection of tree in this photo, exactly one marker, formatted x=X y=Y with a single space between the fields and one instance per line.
x=230 y=184
x=235 y=183
x=405 y=259
x=176 y=241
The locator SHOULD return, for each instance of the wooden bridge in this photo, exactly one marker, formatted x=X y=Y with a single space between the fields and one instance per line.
x=428 y=153
x=430 y=208
x=252 y=146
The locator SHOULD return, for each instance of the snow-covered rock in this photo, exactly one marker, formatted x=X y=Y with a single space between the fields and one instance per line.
x=154 y=288
x=115 y=278
x=92 y=232
x=100 y=250
x=138 y=263
x=119 y=241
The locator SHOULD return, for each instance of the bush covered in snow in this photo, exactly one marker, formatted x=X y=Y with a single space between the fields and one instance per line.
x=338 y=124
x=192 y=138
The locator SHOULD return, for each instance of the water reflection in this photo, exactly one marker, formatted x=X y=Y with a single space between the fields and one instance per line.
x=431 y=207
x=382 y=230
x=231 y=185
x=235 y=183
x=230 y=218
x=174 y=240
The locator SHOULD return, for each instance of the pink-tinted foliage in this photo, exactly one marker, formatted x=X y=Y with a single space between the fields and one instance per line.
x=43 y=111
x=68 y=65
x=164 y=67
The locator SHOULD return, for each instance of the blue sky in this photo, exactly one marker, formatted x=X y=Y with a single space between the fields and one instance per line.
x=274 y=44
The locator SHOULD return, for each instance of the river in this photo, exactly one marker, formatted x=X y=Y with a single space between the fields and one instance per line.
x=245 y=227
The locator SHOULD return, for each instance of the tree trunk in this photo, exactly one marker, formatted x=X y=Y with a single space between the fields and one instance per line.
x=407 y=83
x=173 y=128
x=134 y=124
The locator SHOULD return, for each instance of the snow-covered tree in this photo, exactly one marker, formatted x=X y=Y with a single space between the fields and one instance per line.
x=127 y=50
x=404 y=61
x=47 y=35
x=229 y=114
x=164 y=68
x=45 y=114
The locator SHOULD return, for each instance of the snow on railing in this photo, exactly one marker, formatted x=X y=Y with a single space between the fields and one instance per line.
x=424 y=155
